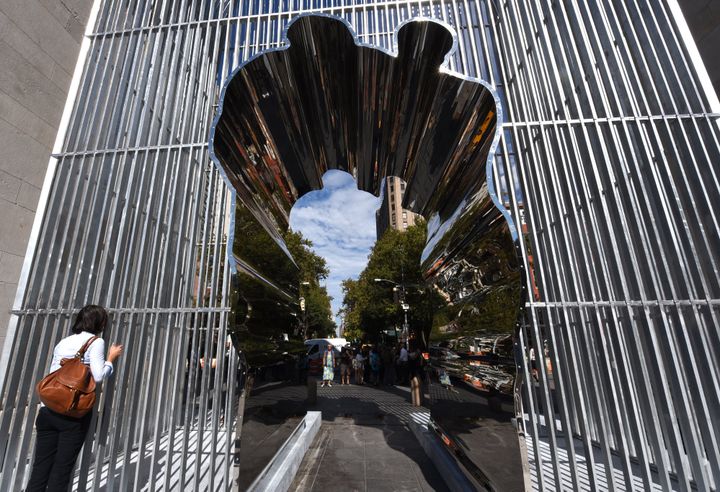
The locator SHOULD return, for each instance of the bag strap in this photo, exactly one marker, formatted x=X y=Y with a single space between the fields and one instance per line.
x=80 y=353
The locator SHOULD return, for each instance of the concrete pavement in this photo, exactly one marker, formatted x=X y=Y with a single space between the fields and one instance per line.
x=365 y=444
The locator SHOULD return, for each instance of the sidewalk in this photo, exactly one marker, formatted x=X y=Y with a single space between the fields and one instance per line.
x=365 y=444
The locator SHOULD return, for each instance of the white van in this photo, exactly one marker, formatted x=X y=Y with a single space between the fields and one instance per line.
x=316 y=349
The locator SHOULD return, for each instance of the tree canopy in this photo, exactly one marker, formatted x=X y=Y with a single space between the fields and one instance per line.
x=266 y=318
x=317 y=317
x=371 y=307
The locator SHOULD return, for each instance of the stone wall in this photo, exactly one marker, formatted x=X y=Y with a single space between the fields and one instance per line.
x=39 y=45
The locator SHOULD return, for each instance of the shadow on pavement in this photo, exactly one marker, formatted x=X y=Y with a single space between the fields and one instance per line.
x=365 y=442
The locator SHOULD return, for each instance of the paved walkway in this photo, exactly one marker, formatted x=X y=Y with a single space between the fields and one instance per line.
x=365 y=444
x=173 y=469
x=486 y=436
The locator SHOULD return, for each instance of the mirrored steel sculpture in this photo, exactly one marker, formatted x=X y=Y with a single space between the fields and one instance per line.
x=608 y=159
x=328 y=102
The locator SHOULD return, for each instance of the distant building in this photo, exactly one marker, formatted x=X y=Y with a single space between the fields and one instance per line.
x=391 y=213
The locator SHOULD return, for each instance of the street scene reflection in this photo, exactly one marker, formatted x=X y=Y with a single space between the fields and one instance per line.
x=435 y=310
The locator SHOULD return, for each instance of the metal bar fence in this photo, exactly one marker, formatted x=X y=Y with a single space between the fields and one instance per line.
x=606 y=158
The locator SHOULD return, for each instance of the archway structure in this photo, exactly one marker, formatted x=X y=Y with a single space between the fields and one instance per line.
x=328 y=102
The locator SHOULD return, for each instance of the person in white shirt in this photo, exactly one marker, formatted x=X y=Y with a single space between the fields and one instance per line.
x=403 y=365
x=59 y=437
x=403 y=354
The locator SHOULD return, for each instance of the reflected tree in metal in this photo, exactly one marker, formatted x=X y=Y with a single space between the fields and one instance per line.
x=327 y=102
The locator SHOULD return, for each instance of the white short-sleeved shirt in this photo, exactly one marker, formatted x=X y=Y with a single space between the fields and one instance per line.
x=94 y=355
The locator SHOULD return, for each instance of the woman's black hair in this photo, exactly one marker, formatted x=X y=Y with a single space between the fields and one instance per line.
x=92 y=319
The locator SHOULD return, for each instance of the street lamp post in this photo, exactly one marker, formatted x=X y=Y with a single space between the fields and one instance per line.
x=405 y=307
x=406 y=326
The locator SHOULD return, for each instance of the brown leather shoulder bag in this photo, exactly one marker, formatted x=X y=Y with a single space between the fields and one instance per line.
x=71 y=389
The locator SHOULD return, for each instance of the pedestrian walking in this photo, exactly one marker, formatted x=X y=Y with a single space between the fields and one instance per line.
x=388 y=363
x=403 y=365
x=414 y=362
x=328 y=366
x=60 y=436
x=359 y=365
x=366 y=356
x=375 y=366
x=345 y=366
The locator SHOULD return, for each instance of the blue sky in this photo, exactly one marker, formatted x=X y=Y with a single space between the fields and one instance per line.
x=340 y=221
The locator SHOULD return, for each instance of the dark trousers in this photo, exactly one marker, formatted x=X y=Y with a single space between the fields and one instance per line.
x=403 y=372
x=58 y=443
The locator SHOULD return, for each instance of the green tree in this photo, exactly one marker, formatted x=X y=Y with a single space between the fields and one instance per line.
x=371 y=307
x=266 y=316
x=350 y=311
x=312 y=268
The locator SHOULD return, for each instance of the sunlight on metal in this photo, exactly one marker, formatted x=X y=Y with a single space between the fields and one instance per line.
x=606 y=163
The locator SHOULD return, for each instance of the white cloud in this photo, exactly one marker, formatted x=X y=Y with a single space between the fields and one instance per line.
x=340 y=221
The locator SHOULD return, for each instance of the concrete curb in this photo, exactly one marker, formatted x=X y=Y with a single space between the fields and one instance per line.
x=450 y=471
x=279 y=474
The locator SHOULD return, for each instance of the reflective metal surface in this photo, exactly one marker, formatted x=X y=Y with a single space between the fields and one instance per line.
x=263 y=293
x=608 y=154
x=484 y=362
x=328 y=102
x=325 y=102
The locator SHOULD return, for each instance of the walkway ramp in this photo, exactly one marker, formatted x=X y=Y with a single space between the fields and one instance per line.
x=365 y=444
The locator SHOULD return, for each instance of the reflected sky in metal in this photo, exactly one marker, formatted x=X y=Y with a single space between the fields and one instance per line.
x=327 y=101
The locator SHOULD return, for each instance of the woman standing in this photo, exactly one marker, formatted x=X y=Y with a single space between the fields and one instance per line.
x=60 y=437
x=328 y=366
